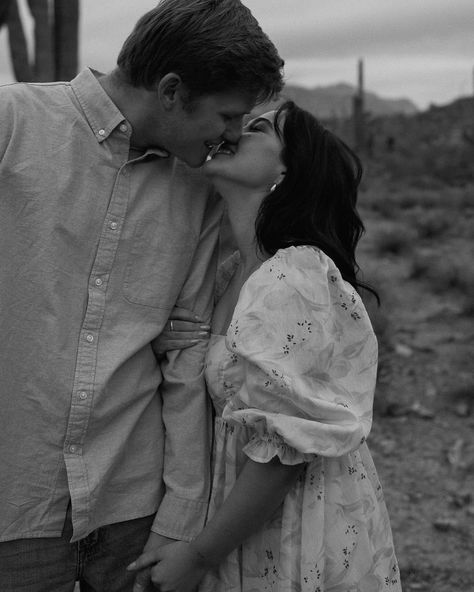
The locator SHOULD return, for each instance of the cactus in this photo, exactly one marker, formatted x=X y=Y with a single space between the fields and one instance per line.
x=4 y=7
x=66 y=36
x=358 y=111
x=56 y=27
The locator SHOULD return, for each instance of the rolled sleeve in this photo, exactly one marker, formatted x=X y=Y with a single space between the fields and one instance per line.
x=189 y=512
x=186 y=410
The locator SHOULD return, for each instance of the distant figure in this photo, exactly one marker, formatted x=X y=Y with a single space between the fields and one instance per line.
x=105 y=225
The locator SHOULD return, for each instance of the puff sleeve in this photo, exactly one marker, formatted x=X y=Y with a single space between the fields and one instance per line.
x=308 y=355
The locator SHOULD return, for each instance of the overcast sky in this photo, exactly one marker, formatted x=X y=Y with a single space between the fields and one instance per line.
x=419 y=49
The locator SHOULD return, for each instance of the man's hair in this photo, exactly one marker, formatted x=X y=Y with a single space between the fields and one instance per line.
x=213 y=45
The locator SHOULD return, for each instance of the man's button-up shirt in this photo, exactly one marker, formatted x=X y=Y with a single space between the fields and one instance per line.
x=96 y=248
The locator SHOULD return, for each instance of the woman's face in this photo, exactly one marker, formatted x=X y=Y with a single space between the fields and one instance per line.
x=255 y=162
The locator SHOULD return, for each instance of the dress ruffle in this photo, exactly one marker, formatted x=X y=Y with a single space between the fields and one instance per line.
x=262 y=448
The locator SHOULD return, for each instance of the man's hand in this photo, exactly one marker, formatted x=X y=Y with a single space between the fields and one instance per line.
x=143 y=579
x=174 y=568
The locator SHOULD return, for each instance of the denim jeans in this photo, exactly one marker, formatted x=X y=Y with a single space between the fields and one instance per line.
x=54 y=564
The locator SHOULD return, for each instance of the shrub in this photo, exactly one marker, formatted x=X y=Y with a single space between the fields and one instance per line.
x=432 y=224
x=394 y=241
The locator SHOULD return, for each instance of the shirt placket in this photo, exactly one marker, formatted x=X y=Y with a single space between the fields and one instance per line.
x=84 y=379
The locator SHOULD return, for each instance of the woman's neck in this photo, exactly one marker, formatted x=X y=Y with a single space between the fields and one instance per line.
x=242 y=214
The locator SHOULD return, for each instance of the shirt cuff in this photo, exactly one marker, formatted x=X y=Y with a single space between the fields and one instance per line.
x=179 y=518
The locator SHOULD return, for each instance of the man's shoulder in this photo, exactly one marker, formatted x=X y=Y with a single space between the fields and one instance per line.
x=28 y=91
x=10 y=91
x=13 y=103
x=28 y=102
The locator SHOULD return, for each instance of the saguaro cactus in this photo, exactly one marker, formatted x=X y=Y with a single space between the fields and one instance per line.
x=66 y=38
x=4 y=5
x=358 y=110
x=43 y=66
x=55 y=43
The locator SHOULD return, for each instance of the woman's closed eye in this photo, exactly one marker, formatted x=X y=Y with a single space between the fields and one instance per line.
x=257 y=126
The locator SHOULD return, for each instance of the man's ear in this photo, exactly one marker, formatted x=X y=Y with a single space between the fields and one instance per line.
x=170 y=89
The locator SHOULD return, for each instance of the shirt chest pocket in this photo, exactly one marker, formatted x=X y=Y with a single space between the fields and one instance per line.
x=157 y=262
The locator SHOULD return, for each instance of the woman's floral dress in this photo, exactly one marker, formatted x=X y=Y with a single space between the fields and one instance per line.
x=294 y=377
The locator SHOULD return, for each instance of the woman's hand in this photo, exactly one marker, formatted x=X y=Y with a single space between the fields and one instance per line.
x=182 y=330
x=177 y=567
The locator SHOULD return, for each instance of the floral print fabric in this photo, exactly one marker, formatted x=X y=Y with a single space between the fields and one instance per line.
x=294 y=377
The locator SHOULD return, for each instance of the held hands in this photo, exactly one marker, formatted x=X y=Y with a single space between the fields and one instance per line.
x=176 y=567
x=143 y=577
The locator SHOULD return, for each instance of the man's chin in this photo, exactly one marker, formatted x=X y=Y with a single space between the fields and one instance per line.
x=195 y=162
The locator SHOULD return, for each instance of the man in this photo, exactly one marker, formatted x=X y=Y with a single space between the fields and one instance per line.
x=106 y=224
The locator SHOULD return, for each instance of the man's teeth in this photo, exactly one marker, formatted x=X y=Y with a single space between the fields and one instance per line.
x=214 y=149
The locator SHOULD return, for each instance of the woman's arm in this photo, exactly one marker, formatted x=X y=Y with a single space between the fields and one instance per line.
x=182 y=330
x=257 y=493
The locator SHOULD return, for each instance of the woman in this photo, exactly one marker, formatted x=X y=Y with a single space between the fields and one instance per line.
x=291 y=368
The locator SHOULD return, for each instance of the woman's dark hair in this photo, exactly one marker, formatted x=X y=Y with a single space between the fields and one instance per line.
x=214 y=45
x=315 y=204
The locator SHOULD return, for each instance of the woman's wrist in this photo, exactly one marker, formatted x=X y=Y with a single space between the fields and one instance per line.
x=204 y=559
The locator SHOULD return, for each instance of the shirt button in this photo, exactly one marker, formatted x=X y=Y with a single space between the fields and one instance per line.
x=113 y=225
x=102 y=132
x=123 y=127
x=83 y=395
x=90 y=338
x=72 y=448
x=99 y=282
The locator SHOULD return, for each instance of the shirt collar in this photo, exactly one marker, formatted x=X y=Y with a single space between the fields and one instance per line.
x=99 y=109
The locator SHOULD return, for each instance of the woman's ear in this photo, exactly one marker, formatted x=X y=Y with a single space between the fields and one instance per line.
x=277 y=182
x=280 y=178
x=169 y=90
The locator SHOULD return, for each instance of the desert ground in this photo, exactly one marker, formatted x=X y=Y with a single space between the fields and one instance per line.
x=418 y=252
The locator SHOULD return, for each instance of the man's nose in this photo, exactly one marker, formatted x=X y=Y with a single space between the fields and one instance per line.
x=233 y=131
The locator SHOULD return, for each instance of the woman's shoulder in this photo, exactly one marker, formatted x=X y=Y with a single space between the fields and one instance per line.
x=301 y=256
x=290 y=273
x=302 y=273
x=296 y=265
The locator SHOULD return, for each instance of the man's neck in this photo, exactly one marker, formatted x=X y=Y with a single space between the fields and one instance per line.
x=130 y=101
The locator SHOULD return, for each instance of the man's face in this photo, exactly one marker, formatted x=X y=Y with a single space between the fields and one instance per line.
x=207 y=121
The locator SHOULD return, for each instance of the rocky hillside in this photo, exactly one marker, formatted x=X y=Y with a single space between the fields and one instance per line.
x=336 y=101
x=425 y=148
